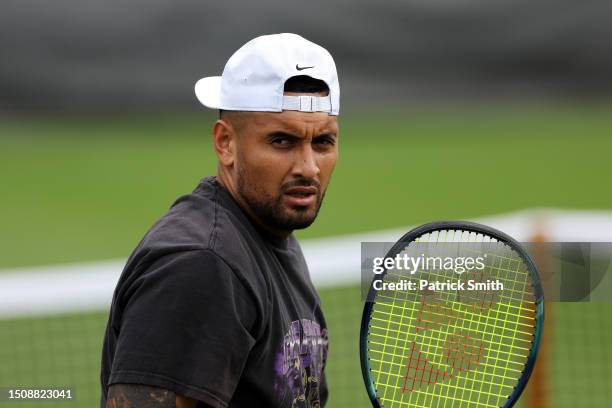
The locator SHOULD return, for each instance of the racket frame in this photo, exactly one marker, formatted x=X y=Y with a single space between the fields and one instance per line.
x=469 y=226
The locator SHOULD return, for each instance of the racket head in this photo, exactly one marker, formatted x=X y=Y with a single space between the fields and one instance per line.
x=534 y=316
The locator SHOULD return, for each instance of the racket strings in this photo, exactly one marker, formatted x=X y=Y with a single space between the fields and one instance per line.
x=446 y=348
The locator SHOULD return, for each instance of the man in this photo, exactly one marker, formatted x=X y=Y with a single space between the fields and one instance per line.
x=215 y=307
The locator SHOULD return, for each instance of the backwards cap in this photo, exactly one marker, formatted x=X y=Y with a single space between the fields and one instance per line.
x=254 y=77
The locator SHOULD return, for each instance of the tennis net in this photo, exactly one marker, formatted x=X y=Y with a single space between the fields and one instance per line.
x=52 y=324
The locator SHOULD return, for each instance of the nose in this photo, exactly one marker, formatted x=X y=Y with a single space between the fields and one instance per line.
x=306 y=165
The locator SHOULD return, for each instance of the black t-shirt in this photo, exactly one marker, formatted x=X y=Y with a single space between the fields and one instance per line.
x=210 y=307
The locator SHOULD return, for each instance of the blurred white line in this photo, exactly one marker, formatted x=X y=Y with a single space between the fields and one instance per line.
x=79 y=287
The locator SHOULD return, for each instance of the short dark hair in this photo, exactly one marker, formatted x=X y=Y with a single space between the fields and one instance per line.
x=301 y=84
x=305 y=84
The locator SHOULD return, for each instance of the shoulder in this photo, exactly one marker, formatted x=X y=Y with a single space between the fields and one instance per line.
x=190 y=280
x=190 y=223
x=207 y=218
x=203 y=236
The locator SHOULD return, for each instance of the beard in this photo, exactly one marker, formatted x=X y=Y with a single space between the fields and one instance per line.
x=270 y=209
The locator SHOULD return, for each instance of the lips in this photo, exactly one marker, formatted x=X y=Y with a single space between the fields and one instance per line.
x=301 y=195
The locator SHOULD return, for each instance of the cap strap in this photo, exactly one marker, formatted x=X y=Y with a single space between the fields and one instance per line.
x=307 y=103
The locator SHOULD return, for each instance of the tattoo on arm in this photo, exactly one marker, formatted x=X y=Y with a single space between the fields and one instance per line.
x=135 y=396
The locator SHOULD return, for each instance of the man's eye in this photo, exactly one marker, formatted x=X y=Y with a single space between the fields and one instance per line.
x=324 y=141
x=280 y=141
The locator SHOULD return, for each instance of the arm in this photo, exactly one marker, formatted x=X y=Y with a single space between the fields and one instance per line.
x=186 y=319
x=136 y=395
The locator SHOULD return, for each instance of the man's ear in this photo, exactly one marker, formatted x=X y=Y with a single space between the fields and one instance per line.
x=224 y=140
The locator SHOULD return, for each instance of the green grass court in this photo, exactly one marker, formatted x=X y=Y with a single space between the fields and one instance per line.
x=64 y=351
x=87 y=189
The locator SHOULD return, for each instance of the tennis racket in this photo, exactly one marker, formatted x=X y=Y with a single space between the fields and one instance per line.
x=471 y=346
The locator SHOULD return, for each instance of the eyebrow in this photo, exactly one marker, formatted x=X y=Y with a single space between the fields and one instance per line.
x=327 y=134
x=280 y=133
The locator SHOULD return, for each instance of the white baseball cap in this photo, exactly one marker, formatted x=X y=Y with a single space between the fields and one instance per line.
x=254 y=77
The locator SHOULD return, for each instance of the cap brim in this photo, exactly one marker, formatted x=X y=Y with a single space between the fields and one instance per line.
x=208 y=92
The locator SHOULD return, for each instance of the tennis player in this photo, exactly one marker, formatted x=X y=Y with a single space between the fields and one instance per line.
x=215 y=307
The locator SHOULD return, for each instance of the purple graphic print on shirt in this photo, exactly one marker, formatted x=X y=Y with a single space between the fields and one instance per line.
x=299 y=364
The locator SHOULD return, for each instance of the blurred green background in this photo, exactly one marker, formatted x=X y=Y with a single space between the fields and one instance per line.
x=78 y=188
x=108 y=178
x=450 y=110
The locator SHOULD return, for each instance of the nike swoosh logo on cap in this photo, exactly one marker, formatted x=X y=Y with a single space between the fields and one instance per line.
x=302 y=68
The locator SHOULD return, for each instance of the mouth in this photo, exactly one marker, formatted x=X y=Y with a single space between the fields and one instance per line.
x=301 y=196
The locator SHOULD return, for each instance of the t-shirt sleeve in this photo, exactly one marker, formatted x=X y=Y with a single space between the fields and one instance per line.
x=186 y=326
